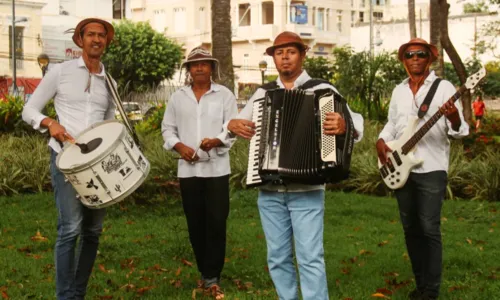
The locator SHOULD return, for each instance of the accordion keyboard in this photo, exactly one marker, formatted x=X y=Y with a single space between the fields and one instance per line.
x=253 y=177
x=328 y=153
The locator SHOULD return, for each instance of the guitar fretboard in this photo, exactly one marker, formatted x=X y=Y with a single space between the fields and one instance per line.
x=428 y=125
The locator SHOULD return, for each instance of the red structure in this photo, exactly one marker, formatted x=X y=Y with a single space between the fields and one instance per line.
x=25 y=85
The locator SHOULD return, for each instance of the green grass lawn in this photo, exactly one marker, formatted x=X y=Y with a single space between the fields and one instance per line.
x=145 y=252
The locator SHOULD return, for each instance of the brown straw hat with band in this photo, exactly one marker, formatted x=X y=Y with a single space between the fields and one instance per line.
x=110 y=30
x=287 y=38
x=201 y=54
x=418 y=41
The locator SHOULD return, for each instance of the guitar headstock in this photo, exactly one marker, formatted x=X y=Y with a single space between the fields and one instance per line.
x=474 y=79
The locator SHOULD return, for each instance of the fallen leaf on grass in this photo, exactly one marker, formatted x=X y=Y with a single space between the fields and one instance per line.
x=187 y=262
x=379 y=295
x=128 y=287
x=103 y=269
x=392 y=274
x=38 y=237
x=383 y=243
x=178 y=272
x=384 y=291
x=176 y=283
x=365 y=252
x=4 y=295
x=455 y=288
x=144 y=289
x=469 y=241
x=129 y=222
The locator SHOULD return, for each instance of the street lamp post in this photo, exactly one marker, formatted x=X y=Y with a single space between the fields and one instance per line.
x=263 y=68
x=14 y=77
x=43 y=62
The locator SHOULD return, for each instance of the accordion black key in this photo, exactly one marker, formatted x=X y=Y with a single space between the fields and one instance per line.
x=290 y=144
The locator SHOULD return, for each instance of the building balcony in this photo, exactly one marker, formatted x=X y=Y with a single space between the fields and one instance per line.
x=255 y=32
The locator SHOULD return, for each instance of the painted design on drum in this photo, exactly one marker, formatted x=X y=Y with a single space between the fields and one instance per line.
x=101 y=182
x=91 y=184
x=130 y=141
x=141 y=162
x=114 y=163
x=73 y=179
x=118 y=188
x=93 y=199
x=126 y=172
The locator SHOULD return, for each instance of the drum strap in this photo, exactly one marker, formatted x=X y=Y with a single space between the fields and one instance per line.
x=119 y=106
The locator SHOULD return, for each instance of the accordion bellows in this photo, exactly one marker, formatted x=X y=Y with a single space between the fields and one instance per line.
x=290 y=145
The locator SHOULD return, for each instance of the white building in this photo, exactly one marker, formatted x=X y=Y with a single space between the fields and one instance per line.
x=323 y=24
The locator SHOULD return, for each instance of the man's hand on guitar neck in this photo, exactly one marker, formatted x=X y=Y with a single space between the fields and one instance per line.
x=450 y=111
x=382 y=150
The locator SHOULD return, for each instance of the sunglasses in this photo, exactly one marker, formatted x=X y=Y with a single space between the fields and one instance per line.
x=419 y=54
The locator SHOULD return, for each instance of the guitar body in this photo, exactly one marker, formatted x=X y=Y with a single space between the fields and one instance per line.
x=396 y=171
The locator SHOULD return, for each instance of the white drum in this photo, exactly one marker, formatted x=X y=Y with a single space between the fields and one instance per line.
x=105 y=165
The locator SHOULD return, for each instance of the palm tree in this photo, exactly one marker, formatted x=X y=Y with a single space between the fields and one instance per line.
x=221 y=40
x=411 y=19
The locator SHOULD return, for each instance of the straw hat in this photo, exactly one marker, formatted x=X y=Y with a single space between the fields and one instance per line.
x=109 y=29
x=421 y=42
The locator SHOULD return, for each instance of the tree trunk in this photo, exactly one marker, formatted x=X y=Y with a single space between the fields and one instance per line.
x=435 y=32
x=455 y=59
x=411 y=19
x=222 y=47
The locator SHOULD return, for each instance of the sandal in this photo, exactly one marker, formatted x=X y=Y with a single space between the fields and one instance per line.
x=215 y=291
x=200 y=284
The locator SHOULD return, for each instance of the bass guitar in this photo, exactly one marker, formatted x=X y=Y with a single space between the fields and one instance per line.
x=401 y=160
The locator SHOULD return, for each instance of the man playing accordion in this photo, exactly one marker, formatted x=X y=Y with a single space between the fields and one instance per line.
x=295 y=211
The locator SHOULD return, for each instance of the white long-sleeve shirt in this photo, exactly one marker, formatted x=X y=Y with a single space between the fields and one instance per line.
x=76 y=108
x=188 y=121
x=434 y=147
x=246 y=113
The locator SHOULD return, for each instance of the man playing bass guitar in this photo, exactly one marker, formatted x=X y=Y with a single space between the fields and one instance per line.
x=420 y=198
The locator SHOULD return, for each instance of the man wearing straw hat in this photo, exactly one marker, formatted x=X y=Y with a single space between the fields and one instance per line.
x=193 y=127
x=81 y=99
x=421 y=198
x=292 y=216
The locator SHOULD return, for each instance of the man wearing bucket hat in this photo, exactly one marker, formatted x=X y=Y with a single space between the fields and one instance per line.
x=81 y=99
x=295 y=212
x=193 y=127
x=420 y=199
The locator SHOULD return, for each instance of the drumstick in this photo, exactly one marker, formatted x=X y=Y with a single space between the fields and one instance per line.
x=194 y=154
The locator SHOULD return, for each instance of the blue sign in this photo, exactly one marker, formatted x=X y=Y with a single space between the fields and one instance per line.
x=298 y=14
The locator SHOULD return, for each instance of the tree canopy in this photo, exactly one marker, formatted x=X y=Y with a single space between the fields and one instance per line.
x=139 y=57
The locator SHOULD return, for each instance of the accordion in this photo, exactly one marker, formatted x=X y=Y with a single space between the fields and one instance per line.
x=290 y=145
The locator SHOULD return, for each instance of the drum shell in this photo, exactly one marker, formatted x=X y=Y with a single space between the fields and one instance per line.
x=110 y=177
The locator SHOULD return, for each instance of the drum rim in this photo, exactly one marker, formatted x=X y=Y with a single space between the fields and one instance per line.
x=92 y=162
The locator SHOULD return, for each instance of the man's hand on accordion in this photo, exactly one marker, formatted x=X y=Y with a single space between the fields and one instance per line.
x=334 y=124
x=242 y=127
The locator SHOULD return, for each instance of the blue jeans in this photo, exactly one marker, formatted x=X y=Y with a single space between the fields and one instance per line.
x=420 y=201
x=295 y=217
x=74 y=221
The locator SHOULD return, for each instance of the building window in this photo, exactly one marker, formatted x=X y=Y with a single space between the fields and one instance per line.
x=379 y=2
x=180 y=19
x=267 y=13
x=353 y=17
x=118 y=9
x=244 y=15
x=159 y=20
x=202 y=18
x=18 y=45
x=339 y=20
x=363 y=3
x=320 y=18
x=378 y=16
x=361 y=17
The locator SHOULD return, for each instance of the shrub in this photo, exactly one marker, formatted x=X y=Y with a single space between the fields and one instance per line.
x=11 y=115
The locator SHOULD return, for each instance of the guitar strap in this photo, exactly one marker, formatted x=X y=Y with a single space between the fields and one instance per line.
x=424 y=107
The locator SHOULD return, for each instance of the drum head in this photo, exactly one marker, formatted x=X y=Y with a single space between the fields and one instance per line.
x=96 y=140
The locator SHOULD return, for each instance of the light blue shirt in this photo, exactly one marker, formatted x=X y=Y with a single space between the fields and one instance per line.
x=78 y=105
x=188 y=121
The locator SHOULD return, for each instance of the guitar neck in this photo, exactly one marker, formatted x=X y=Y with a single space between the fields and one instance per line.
x=428 y=125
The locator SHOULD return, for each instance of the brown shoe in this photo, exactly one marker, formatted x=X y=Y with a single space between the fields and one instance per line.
x=215 y=291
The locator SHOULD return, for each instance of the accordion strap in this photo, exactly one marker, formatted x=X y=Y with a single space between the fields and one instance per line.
x=119 y=106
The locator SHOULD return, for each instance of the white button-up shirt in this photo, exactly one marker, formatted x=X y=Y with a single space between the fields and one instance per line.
x=434 y=147
x=78 y=105
x=246 y=113
x=188 y=121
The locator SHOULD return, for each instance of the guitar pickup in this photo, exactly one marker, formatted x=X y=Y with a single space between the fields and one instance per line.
x=390 y=165
x=383 y=172
x=395 y=154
